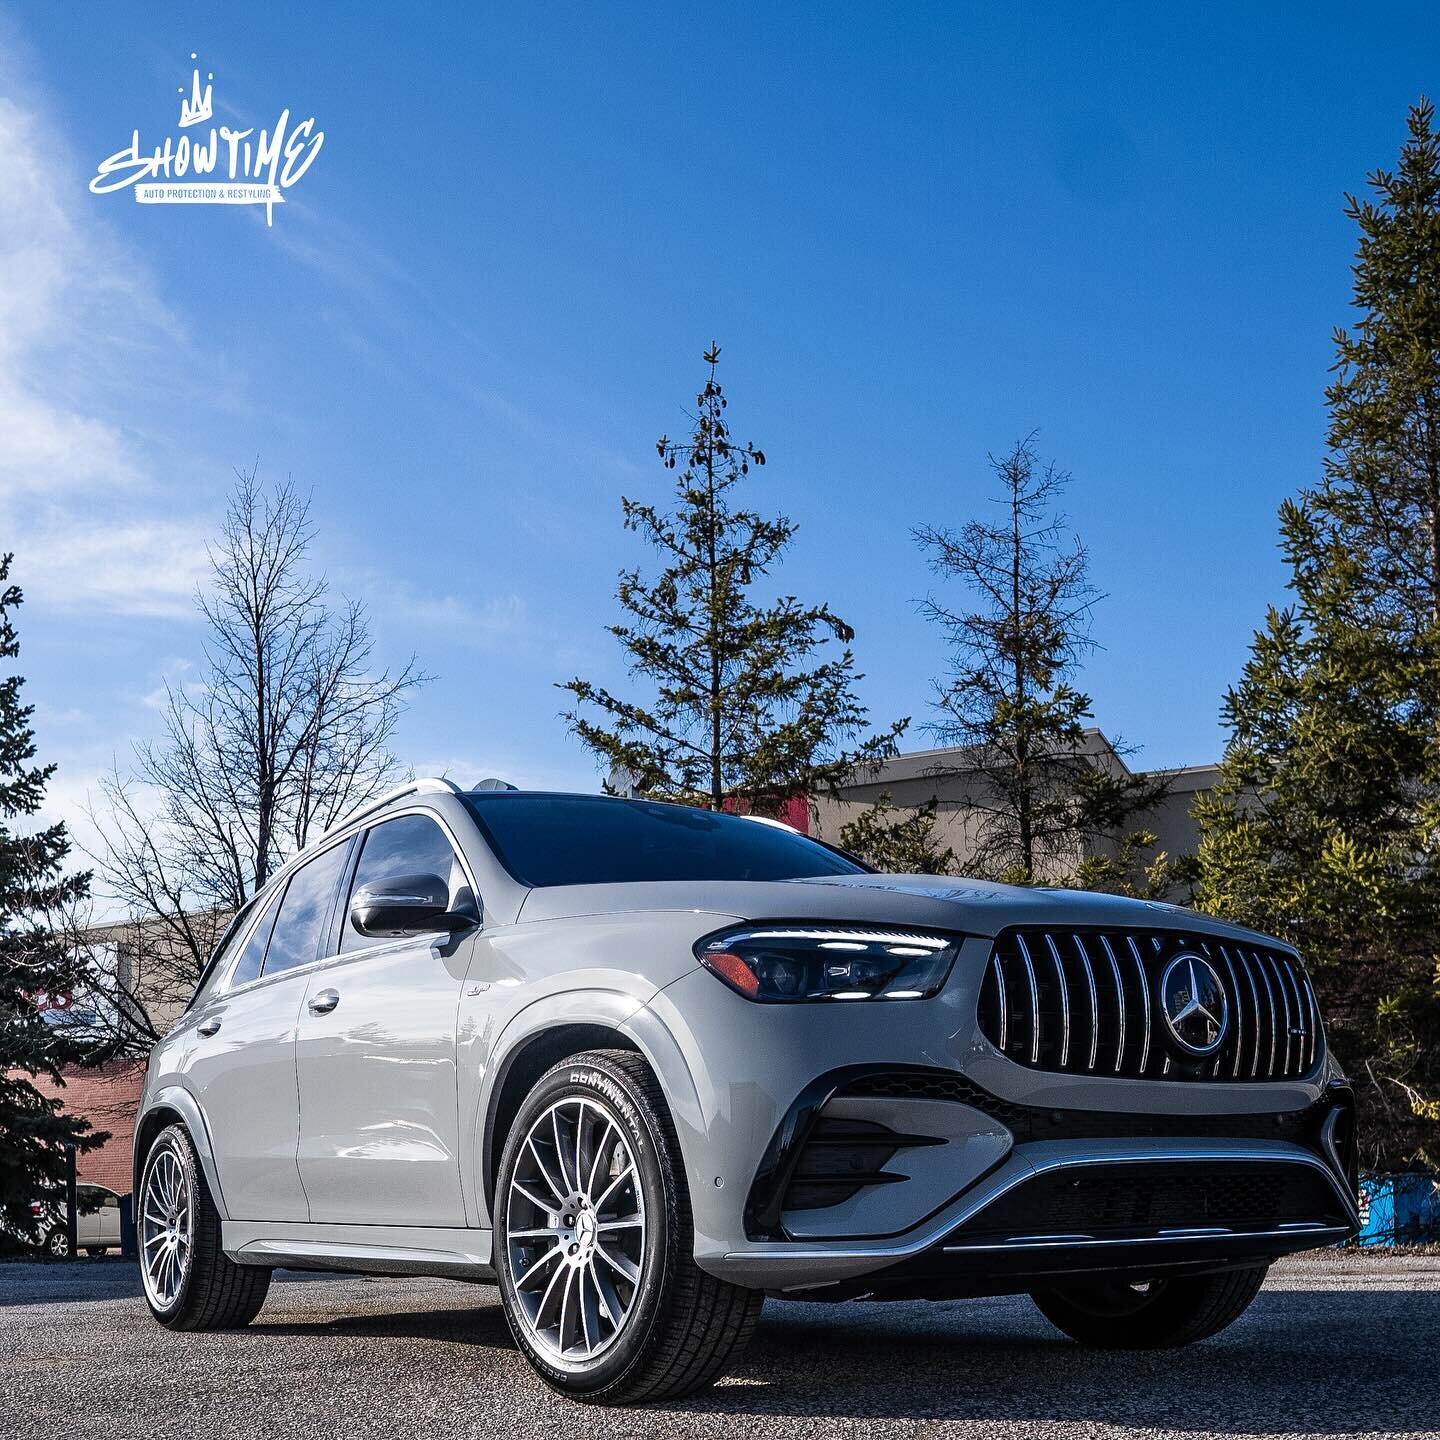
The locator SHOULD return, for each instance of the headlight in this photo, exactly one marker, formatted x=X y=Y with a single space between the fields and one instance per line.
x=788 y=963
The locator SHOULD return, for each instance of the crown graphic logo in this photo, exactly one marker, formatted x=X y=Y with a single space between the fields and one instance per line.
x=198 y=107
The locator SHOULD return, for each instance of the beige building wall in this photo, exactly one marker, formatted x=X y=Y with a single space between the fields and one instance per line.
x=913 y=779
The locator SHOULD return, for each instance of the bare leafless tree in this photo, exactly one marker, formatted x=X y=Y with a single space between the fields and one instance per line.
x=287 y=726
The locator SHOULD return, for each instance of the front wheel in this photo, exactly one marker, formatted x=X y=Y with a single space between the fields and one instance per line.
x=593 y=1240
x=1152 y=1315
x=189 y=1281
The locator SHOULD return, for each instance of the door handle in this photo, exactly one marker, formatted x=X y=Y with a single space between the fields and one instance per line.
x=208 y=1026
x=324 y=1002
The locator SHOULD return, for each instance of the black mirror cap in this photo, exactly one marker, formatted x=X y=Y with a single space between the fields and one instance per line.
x=406 y=905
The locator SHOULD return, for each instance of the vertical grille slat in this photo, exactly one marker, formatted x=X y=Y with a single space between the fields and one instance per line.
x=1094 y=1001
x=1064 y=991
x=1270 y=1010
x=1004 y=1001
x=1314 y=1008
x=1034 y=1000
x=1239 y=1044
x=1120 y=1034
x=1285 y=1002
x=1145 y=996
x=1084 y=1008
x=1254 y=1010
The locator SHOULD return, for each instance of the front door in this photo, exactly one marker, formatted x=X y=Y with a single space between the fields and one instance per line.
x=379 y=1105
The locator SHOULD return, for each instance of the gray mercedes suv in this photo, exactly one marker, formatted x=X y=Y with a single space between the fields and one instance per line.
x=641 y=1065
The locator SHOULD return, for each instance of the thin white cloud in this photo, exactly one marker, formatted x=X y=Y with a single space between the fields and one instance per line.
x=141 y=567
x=496 y=618
x=81 y=326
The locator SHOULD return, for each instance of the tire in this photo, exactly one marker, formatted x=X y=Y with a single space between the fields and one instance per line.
x=57 y=1244
x=1115 y=1315
x=679 y=1329
x=199 y=1288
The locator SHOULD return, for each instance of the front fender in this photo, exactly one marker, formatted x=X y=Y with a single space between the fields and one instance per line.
x=176 y=1098
x=612 y=1010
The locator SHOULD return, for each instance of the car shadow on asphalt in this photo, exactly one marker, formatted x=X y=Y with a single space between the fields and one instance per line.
x=1319 y=1362
x=484 y=1326
x=1310 y=1361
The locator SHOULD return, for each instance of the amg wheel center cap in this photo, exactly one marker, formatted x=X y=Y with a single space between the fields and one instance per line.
x=586 y=1227
x=1194 y=1004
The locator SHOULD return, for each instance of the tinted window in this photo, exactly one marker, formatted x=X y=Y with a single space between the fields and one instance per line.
x=252 y=957
x=594 y=840
x=224 y=951
x=300 y=925
x=407 y=845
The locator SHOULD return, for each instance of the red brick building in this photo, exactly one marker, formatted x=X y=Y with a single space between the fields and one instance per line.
x=107 y=1096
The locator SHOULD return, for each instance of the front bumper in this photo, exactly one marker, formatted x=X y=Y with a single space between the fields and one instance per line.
x=985 y=1132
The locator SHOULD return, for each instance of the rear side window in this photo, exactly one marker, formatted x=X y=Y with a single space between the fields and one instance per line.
x=252 y=957
x=406 y=845
x=305 y=911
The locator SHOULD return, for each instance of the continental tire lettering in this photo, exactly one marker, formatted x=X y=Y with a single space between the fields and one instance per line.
x=617 y=1098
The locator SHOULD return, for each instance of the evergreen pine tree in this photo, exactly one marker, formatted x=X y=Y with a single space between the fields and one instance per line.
x=37 y=961
x=897 y=840
x=1323 y=827
x=749 y=702
x=1009 y=699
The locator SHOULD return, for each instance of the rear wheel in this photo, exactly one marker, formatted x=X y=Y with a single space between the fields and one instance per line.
x=190 y=1283
x=594 y=1237
x=1151 y=1315
x=57 y=1244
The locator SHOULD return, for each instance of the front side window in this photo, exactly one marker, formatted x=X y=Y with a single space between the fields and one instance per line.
x=406 y=845
x=305 y=912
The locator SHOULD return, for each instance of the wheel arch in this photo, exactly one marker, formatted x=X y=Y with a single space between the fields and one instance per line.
x=536 y=1041
x=176 y=1106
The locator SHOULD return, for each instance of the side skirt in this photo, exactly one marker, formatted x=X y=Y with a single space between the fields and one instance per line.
x=367 y=1249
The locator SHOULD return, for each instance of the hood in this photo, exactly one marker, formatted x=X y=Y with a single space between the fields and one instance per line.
x=976 y=907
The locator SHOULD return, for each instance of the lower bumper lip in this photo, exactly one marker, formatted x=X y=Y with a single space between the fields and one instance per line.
x=796 y=1265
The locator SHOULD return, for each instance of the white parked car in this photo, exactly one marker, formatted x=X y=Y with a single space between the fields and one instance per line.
x=97 y=1221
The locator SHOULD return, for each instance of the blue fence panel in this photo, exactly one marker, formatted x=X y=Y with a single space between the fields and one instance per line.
x=1399 y=1209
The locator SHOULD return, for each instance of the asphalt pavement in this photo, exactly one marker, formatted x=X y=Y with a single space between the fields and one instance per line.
x=1342 y=1343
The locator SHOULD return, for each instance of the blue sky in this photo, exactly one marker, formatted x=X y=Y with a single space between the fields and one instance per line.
x=918 y=233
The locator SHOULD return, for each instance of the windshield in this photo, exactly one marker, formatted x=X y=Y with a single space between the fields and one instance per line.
x=596 y=840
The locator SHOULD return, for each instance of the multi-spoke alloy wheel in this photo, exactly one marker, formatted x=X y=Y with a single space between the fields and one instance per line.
x=595 y=1242
x=167 y=1228
x=575 y=1225
x=190 y=1283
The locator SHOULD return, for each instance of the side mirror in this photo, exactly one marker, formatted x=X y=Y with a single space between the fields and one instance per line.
x=406 y=905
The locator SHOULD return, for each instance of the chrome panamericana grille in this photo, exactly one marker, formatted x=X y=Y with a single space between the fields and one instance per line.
x=1088 y=1002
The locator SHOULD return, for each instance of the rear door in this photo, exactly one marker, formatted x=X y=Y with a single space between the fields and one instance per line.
x=242 y=1061
x=379 y=1105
